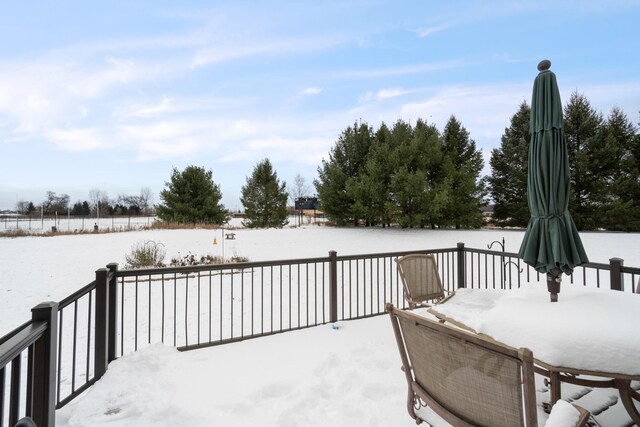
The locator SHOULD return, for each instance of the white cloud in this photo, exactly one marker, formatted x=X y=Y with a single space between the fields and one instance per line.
x=310 y=91
x=221 y=50
x=77 y=140
x=152 y=110
x=425 y=32
x=384 y=94
x=403 y=70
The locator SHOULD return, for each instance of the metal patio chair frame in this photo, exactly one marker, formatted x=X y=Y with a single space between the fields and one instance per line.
x=420 y=279
x=466 y=379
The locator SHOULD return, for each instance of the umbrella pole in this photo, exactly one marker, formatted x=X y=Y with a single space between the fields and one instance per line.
x=553 y=286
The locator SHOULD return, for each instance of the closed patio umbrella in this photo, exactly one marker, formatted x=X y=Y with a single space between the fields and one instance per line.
x=551 y=243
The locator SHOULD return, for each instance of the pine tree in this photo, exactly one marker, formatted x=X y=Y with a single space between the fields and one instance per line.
x=191 y=196
x=337 y=178
x=509 y=166
x=581 y=125
x=615 y=168
x=370 y=188
x=409 y=183
x=464 y=164
x=264 y=198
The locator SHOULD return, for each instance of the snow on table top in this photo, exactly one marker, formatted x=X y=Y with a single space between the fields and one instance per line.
x=587 y=329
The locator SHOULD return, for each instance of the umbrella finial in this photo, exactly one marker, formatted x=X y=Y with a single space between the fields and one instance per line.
x=544 y=65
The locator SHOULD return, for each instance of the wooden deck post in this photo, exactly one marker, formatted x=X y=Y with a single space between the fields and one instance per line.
x=43 y=399
x=333 y=287
x=617 y=279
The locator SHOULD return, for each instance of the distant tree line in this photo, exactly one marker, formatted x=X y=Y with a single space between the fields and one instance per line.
x=414 y=176
x=604 y=158
x=99 y=204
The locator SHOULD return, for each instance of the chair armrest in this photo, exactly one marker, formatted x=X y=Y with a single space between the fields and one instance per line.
x=565 y=414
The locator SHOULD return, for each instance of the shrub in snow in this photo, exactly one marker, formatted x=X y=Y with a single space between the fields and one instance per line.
x=146 y=254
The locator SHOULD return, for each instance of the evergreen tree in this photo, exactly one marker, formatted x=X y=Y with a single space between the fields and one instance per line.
x=264 y=198
x=337 y=178
x=464 y=164
x=409 y=183
x=191 y=196
x=615 y=168
x=581 y=125
x=509 y=166
x=76 y=209
x=370 y=188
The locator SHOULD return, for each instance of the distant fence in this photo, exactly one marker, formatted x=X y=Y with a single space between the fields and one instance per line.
x=191 y=307
x=71 y=223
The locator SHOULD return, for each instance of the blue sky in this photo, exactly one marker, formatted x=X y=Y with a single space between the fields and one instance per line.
x=112 y=95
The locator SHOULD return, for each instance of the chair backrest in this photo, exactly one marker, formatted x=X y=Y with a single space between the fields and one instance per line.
x=420 y=278
x=464 y=378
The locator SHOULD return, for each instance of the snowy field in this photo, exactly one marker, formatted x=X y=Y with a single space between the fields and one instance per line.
x=70 y=224
x=321 y=376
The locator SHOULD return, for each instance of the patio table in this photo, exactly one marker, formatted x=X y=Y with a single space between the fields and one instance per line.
x=593 y=332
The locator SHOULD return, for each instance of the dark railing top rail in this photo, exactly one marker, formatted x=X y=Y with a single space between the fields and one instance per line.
x=396 y=253
x=490 y=252
x=630 y=270
x=600 y=265
x=15 y=331
x=76 y=295
x=21 y=339
x=215 y=267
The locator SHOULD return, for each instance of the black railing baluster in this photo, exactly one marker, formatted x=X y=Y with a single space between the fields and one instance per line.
x=298 y=272
x=221 y=336
x=231 y=285
x=210 y=298
x=2 y=391
x=306 y=287
x=88 y=339
x=186 y=310
x=74 y=347
x=281 y=327
x=29 y=380
x=197 y=310
x=252 y=299
x=58 y=362
x=135 y=320
x=342 y=287
x=162 y=320
x=241 y=302
x=14 y=393
x=122 y=328
x=149 y=318
x=290 y=303
x=175 y=308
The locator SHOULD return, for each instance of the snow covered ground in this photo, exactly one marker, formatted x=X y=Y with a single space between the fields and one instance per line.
x=321 y=376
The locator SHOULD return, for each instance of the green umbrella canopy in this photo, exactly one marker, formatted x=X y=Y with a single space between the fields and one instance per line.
x=551 y=243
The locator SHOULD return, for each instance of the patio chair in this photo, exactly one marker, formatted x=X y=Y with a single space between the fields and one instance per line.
x=467 y=379
x=420 y=279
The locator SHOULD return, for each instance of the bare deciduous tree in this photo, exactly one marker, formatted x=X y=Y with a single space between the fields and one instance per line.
x=299 y=188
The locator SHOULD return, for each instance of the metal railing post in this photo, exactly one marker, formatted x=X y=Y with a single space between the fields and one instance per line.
x=43 y=400
x=333 y=287
x=102 y=323
x=461 y=266
x=617 y=279
x=113 y=316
